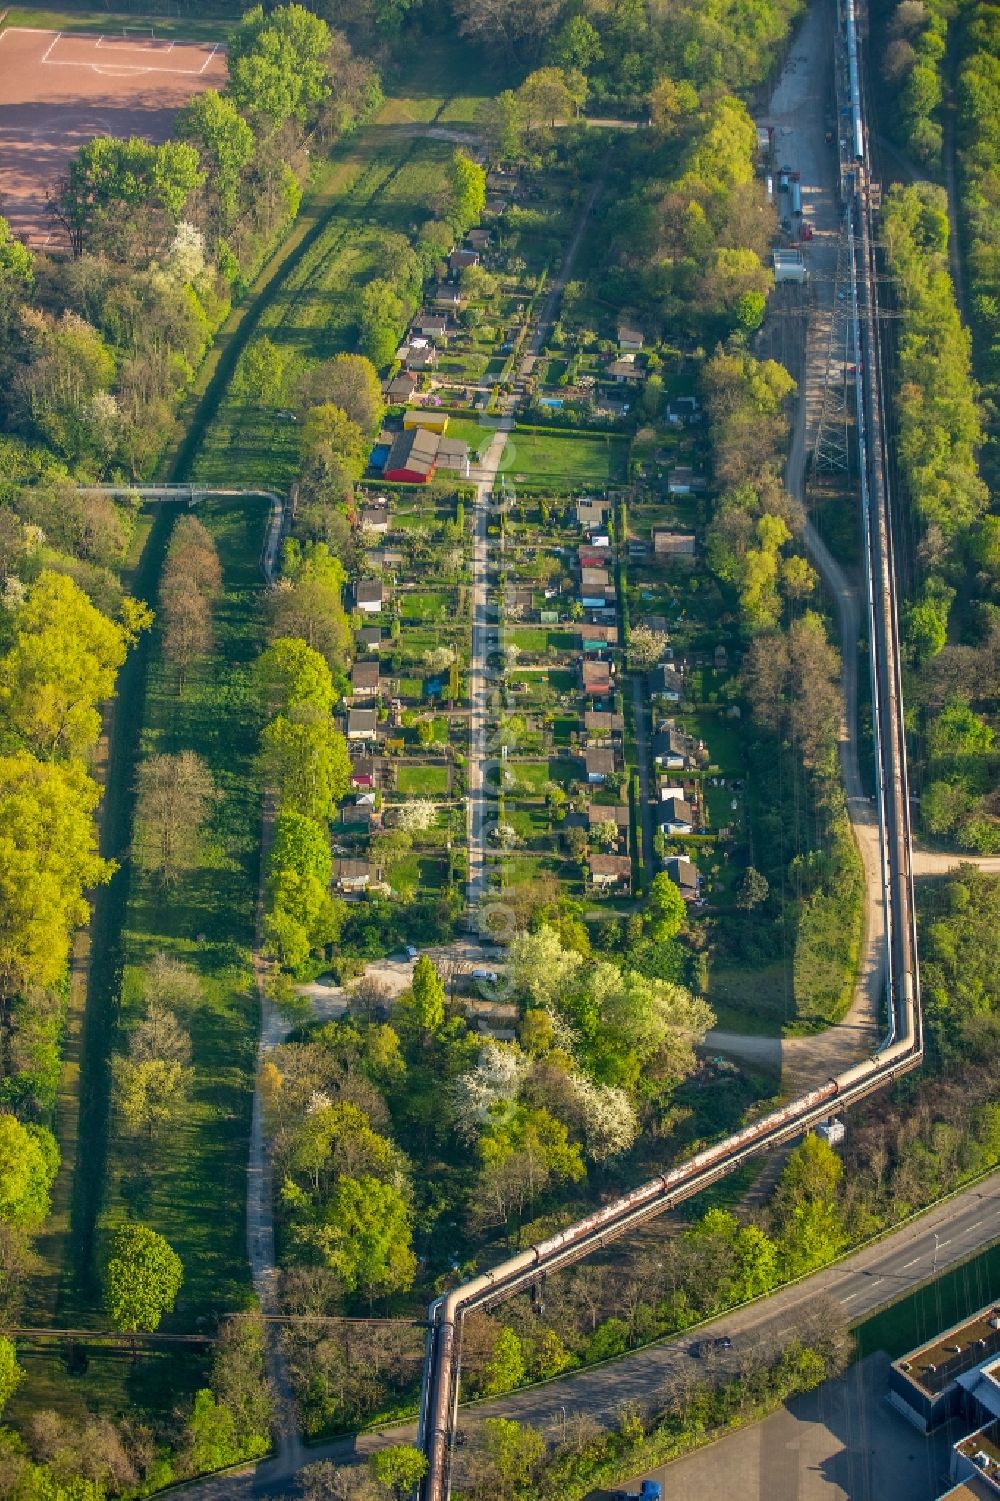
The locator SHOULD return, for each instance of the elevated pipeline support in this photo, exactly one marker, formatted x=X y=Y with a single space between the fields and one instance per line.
x=902 y=1048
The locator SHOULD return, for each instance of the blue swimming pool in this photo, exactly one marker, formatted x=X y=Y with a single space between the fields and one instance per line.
x=553 y=402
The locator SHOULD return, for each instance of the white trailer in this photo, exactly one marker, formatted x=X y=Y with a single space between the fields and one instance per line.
x=789 y=266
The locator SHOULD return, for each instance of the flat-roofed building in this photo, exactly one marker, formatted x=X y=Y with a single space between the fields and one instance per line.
x=958 y=1371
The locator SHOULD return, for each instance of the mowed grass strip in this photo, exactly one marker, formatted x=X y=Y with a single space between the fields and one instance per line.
x=564 y=462
x=388 y=181
x=214 y=24
x=193 y=1187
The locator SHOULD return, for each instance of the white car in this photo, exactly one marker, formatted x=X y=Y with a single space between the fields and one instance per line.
x=411 y=952
x=489 y=975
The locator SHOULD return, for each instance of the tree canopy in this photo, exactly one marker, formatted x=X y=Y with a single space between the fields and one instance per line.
x=142 y=1278
x=29 y=1161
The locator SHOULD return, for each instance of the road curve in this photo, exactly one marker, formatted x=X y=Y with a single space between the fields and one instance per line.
x=798 y=333
x=947 y=1235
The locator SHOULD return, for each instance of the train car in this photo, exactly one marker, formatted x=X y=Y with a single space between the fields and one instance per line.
x=854 y=75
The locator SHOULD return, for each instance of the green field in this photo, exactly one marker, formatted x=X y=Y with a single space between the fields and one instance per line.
x=196 y=1197
x=570 y=462
x=203 y=28
x=422 y=781
x=379 y=183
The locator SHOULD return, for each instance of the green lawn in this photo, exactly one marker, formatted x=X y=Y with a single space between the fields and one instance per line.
x=571 y=462
x=478 y=435
x=421 y=872
x=178 y=28
x=759 y=999
x=380 y=182
x=532 y=776
x=540 y=639
x=564 y=726
x=424 y=604
x=422 y=781
x=196 y=1194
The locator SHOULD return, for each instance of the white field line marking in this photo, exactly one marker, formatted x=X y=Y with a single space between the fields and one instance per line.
x=209 y=57
x=51 y=45
x=110 y=43
x=116 y=70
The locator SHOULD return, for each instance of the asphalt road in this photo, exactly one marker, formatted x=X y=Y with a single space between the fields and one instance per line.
x=860 y=1284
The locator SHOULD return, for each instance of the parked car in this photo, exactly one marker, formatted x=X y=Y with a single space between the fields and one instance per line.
x=489 y=975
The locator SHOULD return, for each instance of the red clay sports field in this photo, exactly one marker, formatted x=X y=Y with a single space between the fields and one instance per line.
x=58 y=89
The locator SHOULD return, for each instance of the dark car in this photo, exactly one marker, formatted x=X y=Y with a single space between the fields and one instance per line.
x=703 y=1347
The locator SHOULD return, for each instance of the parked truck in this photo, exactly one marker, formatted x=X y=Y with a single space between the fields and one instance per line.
x=789 y=265
x=796 y=187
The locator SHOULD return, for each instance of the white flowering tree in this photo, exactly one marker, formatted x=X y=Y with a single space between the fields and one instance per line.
x=493 y=1082
x=417 y=817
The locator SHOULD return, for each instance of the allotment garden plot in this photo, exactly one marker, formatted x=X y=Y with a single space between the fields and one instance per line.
x=401 y=828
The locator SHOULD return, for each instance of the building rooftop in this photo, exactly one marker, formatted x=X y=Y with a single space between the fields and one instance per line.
x=984 y=1441
x=683 y=872
x=599 y=762
x=599 y=813
x=937 y=1364
x=362 y=722
x=415 y=450
x=602 y=721
x=970 y=1490
x=368 y=591
x=595 y=673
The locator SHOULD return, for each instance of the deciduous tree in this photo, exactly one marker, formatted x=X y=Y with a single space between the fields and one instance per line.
x=142 y=1278
x=350 y=383
x=399 y=1468
x=365 y=1236
x=11 y=1374
x=175 y=795
x=62 y=665
x=29 y=1161
x=277 y=63
x=306 y=760
x=48 y=859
